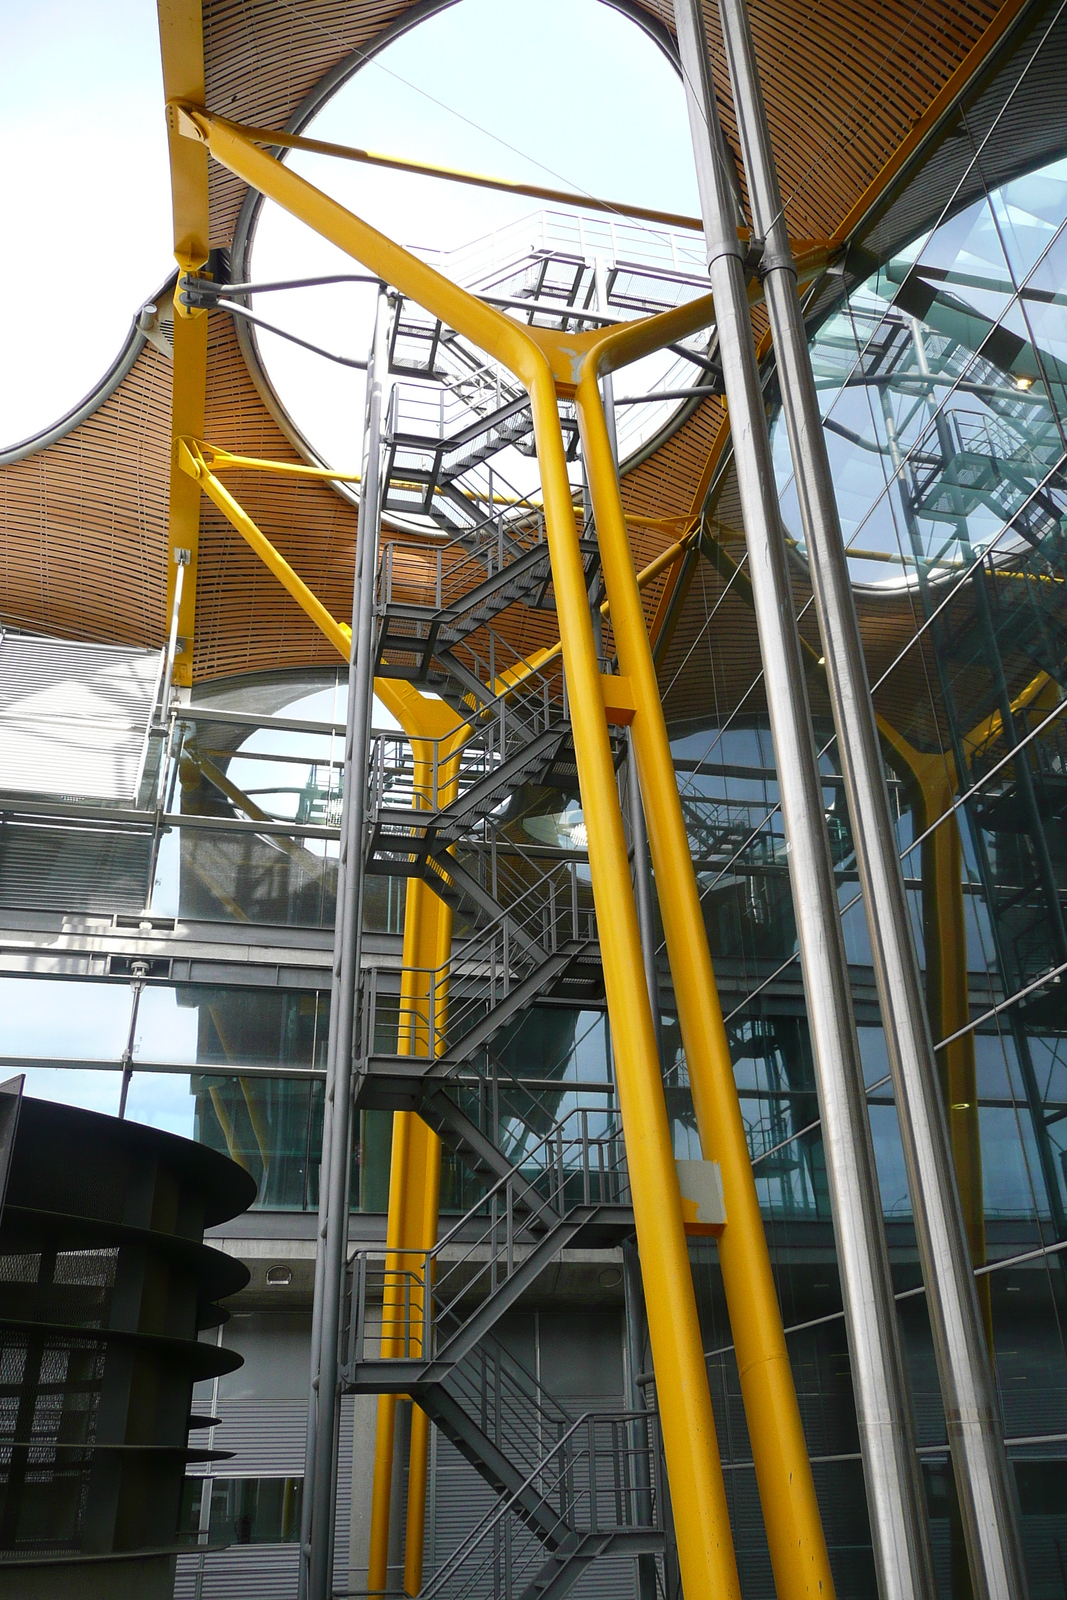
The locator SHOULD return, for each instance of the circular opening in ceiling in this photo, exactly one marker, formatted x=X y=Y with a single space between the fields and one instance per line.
x=568 y=94
x=941 y=381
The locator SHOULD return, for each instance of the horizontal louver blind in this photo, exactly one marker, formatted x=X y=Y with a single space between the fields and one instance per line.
x=74 y=718
x=267 y=1438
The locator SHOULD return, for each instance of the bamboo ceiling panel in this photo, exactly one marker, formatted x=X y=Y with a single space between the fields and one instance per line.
x=83 y=523
x=245 y=620
x=84 y=520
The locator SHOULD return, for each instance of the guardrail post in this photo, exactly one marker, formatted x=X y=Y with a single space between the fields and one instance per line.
x=590 y=1434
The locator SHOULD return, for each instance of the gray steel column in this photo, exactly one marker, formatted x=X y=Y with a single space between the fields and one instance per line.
x=643 y=890
x=983 y=1480
x=894 y=1490
x=320 y=1488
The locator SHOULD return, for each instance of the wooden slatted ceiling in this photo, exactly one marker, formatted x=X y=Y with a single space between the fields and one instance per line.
x=83 y=523
x=844 y=80
x=84 y=520
x=245 y=619
x=262 y=59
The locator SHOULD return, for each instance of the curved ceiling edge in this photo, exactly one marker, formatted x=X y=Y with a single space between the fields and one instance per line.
x=122 y=365
x=248 y=216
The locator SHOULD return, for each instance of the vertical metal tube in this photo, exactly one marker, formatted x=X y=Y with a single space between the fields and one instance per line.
x=333 y=1210
x=640 y=1508
x=894 y=1491
x=975 y=1432
x=643 y=891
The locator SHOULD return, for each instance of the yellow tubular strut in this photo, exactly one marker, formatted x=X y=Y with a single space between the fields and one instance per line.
x=945 y=940
x=787 y=1491
x=182 y=47
x=414 y=1182
x=551 y=364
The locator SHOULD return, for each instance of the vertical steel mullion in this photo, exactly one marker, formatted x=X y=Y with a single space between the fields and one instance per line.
x=902 y=1559
x=321 y=1455
x=620 y=1467
x=975 y=1430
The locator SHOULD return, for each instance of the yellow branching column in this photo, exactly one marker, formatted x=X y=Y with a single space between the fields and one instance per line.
x=791 y=1513
x=698 y=1493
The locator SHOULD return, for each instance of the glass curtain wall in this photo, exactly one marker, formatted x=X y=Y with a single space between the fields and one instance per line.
x=942 y=366
x=941 y=363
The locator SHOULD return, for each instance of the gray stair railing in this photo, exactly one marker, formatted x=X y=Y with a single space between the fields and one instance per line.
x=588 y=1482
x=436 y=1301
x=495 y=733
x=546 y=924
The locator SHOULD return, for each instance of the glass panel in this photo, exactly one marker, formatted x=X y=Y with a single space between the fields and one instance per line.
x=75 y=1086
x=1028 y=212
x=266 y=1125
x=222 y=1027
x=246 y=1510
x=931 y=383
x=162 y=1100
x=66 y=1019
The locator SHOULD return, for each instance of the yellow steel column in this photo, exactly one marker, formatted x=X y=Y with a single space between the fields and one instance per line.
x=948 y=999
x=783 y=1472
x=407 y=1204
x=413 y=1201
x=705 y=1545
x=182 y=50
x=418 y=1453
x=947 y=988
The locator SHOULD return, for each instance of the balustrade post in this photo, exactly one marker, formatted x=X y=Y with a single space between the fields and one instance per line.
x=591 y=1447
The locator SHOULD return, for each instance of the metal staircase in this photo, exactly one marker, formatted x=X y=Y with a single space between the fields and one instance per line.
x=587 y=1497
x=571 y=1489
x=486 y=817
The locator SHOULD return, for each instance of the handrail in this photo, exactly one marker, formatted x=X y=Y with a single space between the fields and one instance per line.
x=426 y=1291
x=626 y=1497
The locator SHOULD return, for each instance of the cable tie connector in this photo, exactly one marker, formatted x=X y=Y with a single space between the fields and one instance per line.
x=199 y=293
x=754 y=263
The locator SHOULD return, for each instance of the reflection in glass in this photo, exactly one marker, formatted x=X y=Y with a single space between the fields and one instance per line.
x=942 y=382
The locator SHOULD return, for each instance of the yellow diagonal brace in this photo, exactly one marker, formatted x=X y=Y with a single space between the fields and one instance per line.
x=182 y=51
x=705 y=1544
x=192 y=463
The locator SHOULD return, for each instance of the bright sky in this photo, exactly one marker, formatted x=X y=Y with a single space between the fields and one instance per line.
x=81 y=103
x=86 y=196
x=619 y=131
